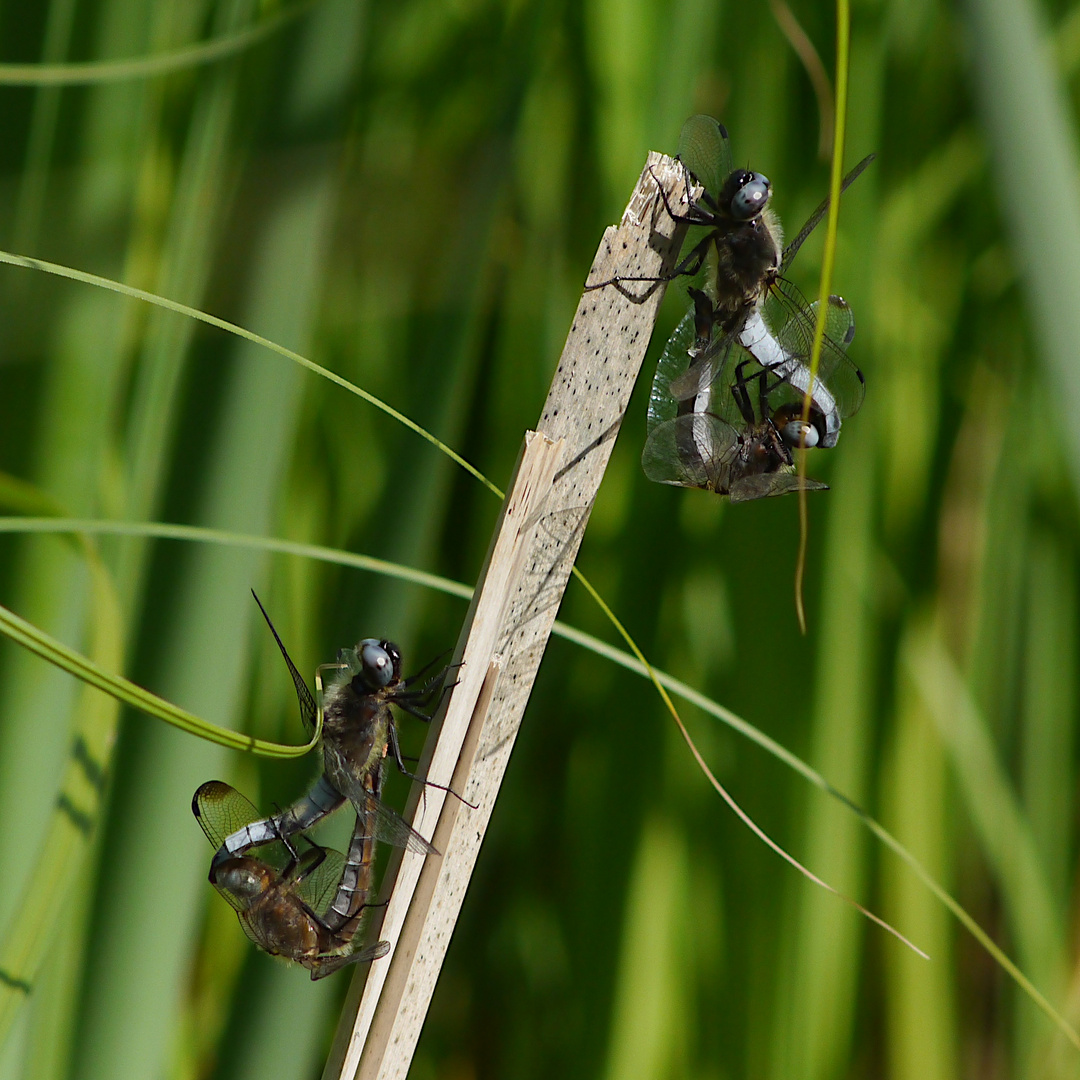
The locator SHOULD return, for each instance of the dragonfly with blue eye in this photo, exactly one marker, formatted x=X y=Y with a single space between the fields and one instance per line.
x=747 y=309
x=307 y=907
x=358 y=732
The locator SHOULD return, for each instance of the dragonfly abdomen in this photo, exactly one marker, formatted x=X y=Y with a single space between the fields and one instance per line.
x=342 y=917
x=311 y=808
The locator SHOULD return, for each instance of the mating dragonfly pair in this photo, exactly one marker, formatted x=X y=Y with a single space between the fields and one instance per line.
x=308 y=906
x=733 y=394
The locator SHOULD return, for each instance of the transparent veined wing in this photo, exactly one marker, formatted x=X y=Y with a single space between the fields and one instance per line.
x=306 y=700
x=390 y=827
x=767 y=485
x=690 y=371
x=674 y=360
x=793 y=322
x=814 y=219
x=705 y=385
x=317 y=876
x=327 y=965
x=221 y=810
x=252 y=927
x=706 y=152
x=693 y=450
x=704 y=148
x=780 y=336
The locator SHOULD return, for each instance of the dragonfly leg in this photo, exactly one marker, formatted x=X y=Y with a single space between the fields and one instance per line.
x=412 y=710
x=276 y=830
x=698 y=216
x=415 y=701
x=687 y=268
x=427 y=667
x=429 y=691
x=742 y=396
x=290 y=847
x=693 y=262
x=395 y=749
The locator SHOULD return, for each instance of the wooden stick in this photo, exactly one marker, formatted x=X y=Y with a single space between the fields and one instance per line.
x=507 y=627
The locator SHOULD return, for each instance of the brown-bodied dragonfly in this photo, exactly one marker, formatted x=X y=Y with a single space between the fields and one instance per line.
x=304 y=907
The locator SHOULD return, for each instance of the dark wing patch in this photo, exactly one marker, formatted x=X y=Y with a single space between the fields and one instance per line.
x=220 y=810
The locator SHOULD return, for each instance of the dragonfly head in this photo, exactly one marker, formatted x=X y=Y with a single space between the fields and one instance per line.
x=745 y=195
x=797 y=432
x=245 y=878
x=380 y=664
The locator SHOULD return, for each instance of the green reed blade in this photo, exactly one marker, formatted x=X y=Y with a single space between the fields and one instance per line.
x=149 y=67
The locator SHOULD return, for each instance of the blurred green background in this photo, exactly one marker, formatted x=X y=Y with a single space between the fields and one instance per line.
x=411 y=194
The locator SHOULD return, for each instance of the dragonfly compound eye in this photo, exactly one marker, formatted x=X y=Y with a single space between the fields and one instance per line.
x=752 y=196
x=245 y=878
x=394 y=653
x=376 y=663
x=799 y=433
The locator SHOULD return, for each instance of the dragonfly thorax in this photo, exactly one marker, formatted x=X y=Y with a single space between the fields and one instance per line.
x=356 y=725
x=763 y=451
x=747 y=257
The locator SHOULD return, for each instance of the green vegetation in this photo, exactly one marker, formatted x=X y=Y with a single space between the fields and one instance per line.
x=410 y=194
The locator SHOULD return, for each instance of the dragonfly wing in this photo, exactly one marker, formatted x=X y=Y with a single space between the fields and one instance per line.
x=327 y=965
x=308 y=709
x=705 y=369
x=674 y=360
x=766 y=485
x=389 y=826
x=839 y=322
x=838 y=387
x=705 y=150
x=845 y=380
x=220 y=810
x=797 y=321
x=690 y=451
x=251 y=927
x=814 y=219
x=238 y=905
x=303 y=815
x=318 y=878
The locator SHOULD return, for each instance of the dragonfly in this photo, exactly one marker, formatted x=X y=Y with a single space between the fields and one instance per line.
x=737 y=439
x=755 y=306
x=307 y=908
x=358 y=732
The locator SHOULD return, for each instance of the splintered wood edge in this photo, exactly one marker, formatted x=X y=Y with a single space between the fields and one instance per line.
x=507 y=627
